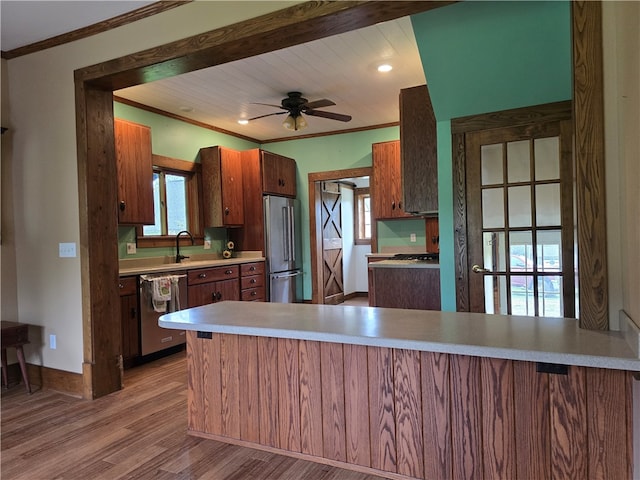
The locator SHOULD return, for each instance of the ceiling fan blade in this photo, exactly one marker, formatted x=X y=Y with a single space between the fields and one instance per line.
x=268 y=105
x=267 y=115
x=324 y=102
x=333 y=116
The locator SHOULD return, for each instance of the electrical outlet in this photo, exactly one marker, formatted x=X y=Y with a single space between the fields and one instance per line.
x=67 y=250
x=412 y=238
x=52 y=342
x=131 y=248
x=207 y=244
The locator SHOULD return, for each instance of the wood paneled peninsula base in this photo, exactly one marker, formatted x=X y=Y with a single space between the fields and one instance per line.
x=410 y=393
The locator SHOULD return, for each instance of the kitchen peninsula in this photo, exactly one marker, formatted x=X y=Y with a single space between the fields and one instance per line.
x=410 y=393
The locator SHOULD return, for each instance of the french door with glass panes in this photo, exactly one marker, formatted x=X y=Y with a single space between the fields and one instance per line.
x=521 y=220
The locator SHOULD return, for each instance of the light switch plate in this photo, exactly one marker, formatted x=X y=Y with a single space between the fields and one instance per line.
x=67 y=250
x=207 y=244
x=131 y=248
x=412 y=237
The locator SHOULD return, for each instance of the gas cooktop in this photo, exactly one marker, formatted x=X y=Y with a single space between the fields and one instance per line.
x=420 y=257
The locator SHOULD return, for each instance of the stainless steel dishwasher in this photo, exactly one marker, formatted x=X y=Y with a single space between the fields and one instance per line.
x=153 y=337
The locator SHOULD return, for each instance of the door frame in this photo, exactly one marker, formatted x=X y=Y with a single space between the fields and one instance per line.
x=94 y=86
x=315 y=221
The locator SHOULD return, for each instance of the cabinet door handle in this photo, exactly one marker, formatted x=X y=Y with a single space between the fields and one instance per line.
x=133 y=312
x=393 y=205
x=254 y=293
x=253 y=280
x=218 y=296
x=123 y=205
x=228 y=272
x=252 y=268
x=202 y=275
x=400 y=205
x=120 y=286
x=226 y=211
x=213 y=297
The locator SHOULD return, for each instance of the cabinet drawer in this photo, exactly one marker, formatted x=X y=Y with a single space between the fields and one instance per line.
x=251 y=268
x=127 y=286
x=205 y=275
x=253 y=294
x=252 y=281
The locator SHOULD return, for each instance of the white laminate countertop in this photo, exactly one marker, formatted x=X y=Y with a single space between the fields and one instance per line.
x=161 y=265
x=549 y=340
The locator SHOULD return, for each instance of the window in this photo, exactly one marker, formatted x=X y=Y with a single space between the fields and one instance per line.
x=362 y=215
x=175 y=202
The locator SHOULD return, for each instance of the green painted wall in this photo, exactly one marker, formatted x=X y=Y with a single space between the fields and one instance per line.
x=482 y=57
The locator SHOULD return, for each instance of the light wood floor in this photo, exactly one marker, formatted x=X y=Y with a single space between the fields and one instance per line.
x=137 y=433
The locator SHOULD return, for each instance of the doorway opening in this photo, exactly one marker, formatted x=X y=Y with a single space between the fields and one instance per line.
x=338 y=265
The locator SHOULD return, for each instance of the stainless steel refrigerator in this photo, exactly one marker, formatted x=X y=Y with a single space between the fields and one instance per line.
x=280 y=251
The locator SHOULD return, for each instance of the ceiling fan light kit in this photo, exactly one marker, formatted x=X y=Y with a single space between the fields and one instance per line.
x=295 y=105
x=294 y=123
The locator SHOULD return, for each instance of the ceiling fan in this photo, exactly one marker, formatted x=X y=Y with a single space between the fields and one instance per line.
x=295 y=105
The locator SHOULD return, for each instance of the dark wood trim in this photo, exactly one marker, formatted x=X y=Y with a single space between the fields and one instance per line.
x=273 y=31
x=120 y=20
x=176 y=164
x=519 y=116
x=180 y=118
x=333 y=132
x=96 y=151
x=588 y=96
x=315 y=229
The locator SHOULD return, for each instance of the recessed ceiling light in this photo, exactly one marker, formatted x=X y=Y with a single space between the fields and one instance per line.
x=186 y=109
x=385 y=67
x=243 y=121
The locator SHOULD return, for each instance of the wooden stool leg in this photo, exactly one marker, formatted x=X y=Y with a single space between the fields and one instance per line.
x=23 y=367
x=4 y=367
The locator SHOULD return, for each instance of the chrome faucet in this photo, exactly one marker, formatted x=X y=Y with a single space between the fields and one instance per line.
x=179 y=257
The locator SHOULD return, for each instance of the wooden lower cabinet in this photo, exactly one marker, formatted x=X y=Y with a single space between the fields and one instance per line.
x=130 y=322
x=211 y=285
x=252 y=282
x=410 y=414
x=413 y=288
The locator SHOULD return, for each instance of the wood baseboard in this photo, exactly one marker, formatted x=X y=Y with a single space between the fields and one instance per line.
x=351 y=295
x=47 y=378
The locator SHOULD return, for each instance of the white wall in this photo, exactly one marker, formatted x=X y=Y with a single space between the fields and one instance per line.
x=44 y=166
x=354 y=260
x=621 y=41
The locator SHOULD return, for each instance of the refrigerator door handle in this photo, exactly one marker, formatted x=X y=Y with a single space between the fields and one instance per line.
x=288 y=275
x=285 y=229
x=292 y=236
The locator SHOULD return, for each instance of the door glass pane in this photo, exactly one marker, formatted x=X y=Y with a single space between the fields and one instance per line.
x=550 y=296
x=548 y=251
x=520 y=206
x=156 y=228
x=522 y=295
x=495 y=294
x=547 y=158
x=548 y=205
x=176 y=204
x=521 y=251
x=491 y=164
x=492 y=208
x=518 y=161
x=494 y=251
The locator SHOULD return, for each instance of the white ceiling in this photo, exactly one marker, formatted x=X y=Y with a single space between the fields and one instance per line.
x=341 y=68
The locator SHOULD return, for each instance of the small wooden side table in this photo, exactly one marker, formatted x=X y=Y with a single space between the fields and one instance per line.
x=14 y=335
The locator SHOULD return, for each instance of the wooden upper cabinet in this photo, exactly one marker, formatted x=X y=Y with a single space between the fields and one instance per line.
x=223 y=204
x=418 y=146
x=386 y=182
x=135 y=173
x=278 y=175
